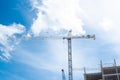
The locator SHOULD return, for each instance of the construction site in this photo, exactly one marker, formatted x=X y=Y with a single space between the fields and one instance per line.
x=106 y=73
x=111 y=72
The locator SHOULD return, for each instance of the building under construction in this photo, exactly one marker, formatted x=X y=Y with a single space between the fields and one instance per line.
x=106 y=73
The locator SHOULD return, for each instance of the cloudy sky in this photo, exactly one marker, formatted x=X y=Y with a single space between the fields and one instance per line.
x=43 y=59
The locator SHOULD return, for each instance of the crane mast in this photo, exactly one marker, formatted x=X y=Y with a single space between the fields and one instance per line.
x=70 y=69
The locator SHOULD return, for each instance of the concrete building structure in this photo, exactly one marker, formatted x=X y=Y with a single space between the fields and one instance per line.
x=106 y=73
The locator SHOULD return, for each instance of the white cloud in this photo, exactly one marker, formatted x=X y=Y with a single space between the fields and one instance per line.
x=106 y=24
x=58 y=15
x=7 y=45
x=103 y=17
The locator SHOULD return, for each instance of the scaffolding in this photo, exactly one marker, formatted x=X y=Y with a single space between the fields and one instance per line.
x=106 y=73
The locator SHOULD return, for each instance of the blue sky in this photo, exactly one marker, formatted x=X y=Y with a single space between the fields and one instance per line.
x=43 y=59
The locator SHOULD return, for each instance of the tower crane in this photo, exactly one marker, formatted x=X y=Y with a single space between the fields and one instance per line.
x=69 y=39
